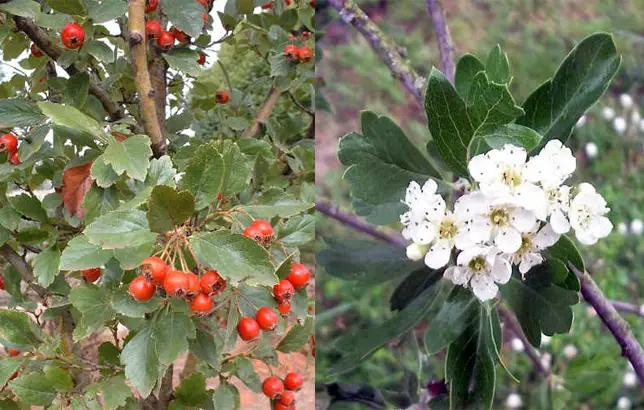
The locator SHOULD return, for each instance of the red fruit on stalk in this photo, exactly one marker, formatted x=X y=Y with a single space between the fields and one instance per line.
x=248 y=328
x=2 y=282
x=91 y=275
x=141 y=290
x=222 y=97
x=35 y=51
x=287 y=398
x=13 y=352
x=152 y=29
x=202 y=304
x=267 y=6
x=14 y=158
x=155 y=269
x=273 y=387
x=8 y=143
x=165 y=40
x=176 y=283
x=212 y=283
x=179 y=35
x=305 y=54
x=151 y=5
x=267 y=319
x=293 y=381
x=284 y=307
x=202 y=59
x=284 y=290
x=204 y=3
x=299 y=276
x=291 y=51
x=194 y=284
x=72 y=36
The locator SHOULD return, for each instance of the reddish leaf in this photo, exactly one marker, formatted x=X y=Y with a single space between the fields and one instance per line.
x=76 y=183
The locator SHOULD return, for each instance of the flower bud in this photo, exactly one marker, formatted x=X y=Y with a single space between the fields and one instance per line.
x=570 y=352
x=637 y=226
x=608 y=113
x=513 y=401
x=624 y=403
x=416 y=252
x=619 y=125
x=630 y=379
x=517 y=345
x=591 y=150
x=626 y=100
x=622 y=228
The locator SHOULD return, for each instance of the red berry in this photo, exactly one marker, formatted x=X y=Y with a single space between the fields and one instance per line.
x=248 y=328
x=288 y=397
x=293 y=381
x=267 y=6
x=165 y=40
x=152 y=29
x=266 y=319
x=205 y=17
x=42 y=79
x=264 y=227
x=222 y=97
x=299 y=276
x=284 y=307
x=180 y=35
x=273 y=387
x=280 y=406
x=312 y=3
x=8 y=143
x=155 y=269
x=212 y=283
x=305 y=55
x=194 y=285
x=14 y=352
x=288 y=2
x=2 y=282
x=91 y=275
x=204 y=3
x=141 y=290
x=35 y=51
x=151 y=5
x=176 y=283
x=202 y=304
x=291 y=51
x=14 y=158
x=284 y=290
x=72 y=36
x=202 y=59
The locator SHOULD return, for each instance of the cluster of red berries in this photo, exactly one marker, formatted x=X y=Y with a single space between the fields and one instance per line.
x=9 y=143
x=303 y=55
x=165 y=39
x=265 y=319
x=282 y=392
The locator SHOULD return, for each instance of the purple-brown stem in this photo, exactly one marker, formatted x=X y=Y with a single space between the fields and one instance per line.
x=442 y=35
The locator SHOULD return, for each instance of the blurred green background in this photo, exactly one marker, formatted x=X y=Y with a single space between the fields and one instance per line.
x=536 y=34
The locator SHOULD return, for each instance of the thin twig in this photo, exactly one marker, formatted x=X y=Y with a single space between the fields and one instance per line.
x=263 y=113
x=628 y=307
x=23 y=269
x=443 y=37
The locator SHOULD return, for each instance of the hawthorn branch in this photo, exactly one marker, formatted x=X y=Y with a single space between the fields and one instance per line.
x=382 y=45
x=511 y=323
x=23 y=268
x=263 y=113
x=158 y=74
x=628 y=307
x=147 y=94
x=444 y=40
x=631 y=348
x=54 y=51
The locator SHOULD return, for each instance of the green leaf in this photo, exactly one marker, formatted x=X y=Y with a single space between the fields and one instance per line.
x=490 y=105
x=103 y=173
x=19 y=113
x=206 y=348
x=100 y=51
x=107 y=10
x=17 y=329
x=34 y=389
x=99 y=201
x=542 y=302
x=125 y=305
x=237 y=123
x=296 y=337
x=204 y=175
x=554 y=108
x=81 y=254
x=161 y=172
x=246 y=373
x=279 y=65
x=226 y=397
x=70 y=117
x=22 y=8
x=71 y=7
x=245 y=6
x=34 y=144
x=359 y=345
x=183 y=60
x=297 y=231
x=141 y=363
x=466 y=68
x=497 y=66
x=451 y=320
x=171 y=332
x=364 y=260
x=184 y=15
x=28 y=206
x=276 y=202
x=46 y=265
x=255 y=296
x=236 y=257
x=470 y=363
x=413 y=286
x=168 y=208
x=114 y=391
x=95 y=306
x=61 y=379
x=8 y=366
x=505 y=134
x=5 y=235
x=192 y=390
x=120 y=229
x=131 y=156
x=566 y=251
x=237 y=170
x=77 y=90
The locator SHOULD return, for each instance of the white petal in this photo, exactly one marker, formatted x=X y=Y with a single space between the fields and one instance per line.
x=416 y=252
x=480 y=230
x=559 y=222
x=483 y=288
x=457 y=275
x=533 y=198
x=522 y=219
x=585 y=237
x=413 y=193
x=545 y=238
x=601 y=226
x=528 y=261
x=482 y=168
x=508 y=240
x=468 y=254
x=425 y=233
x=430 y=187
x=438 y=254
x=501 y=271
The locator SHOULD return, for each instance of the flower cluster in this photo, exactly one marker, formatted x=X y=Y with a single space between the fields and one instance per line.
x=520 y=208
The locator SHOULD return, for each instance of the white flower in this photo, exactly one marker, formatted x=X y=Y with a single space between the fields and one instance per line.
x=587 y=210
x=517 y=345
x=608 y=113
x=570 y=351
x=421 y=201
x=532 y=243
x=591 y=150
x=623 y=403
x=630 y=379
x=626 y=100
x=635 y=116
x=416 y=252
x=482 y=267
x=552 y=166
x=622 y=228
x=619 y=125
x=581 y=121
x=513 y=401
x=545 y=340
x=637 y=226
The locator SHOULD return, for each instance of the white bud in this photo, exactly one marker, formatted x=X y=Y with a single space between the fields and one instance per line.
x=619 y=124
x=581 y=121
x=608 y=113
x=635 y=116
x=622 y=228
x=626 y=100
x=623 y=403
x=637 y=226
x=517 y=345
x=570 y=351
x=545 y=340
x=630 y=379
x=591 y=150
x=416 y=252
x=513 y=401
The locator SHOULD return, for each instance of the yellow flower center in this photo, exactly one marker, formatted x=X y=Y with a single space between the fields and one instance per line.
x=526 y=244
x=500 y=217
x=511 y=177
x=447 y=229
x=477 y=264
